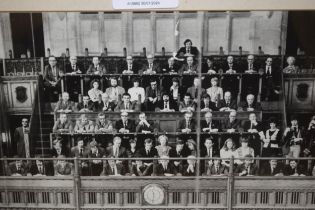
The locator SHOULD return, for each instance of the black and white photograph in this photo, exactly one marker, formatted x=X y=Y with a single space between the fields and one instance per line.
x=157 y=109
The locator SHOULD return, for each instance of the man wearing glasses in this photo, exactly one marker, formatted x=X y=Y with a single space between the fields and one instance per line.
x=125 y=125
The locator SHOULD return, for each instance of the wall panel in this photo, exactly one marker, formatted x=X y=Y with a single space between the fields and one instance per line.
x=89 y=34
x=165 y=34
x=217 y=33
x=240 y=33
x=113 y=35
x=141 y=34
x=188 y=29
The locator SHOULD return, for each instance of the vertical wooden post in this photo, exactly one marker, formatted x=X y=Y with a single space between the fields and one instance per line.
x=76 y=185
x=259 y=88
x=230 y=185
x=42 y=65
x=239 y=88
x=4 y=67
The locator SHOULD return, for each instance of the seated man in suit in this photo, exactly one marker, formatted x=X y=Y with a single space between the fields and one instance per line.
x=64 y=105
x=125 y=125
x=116 y=150
x=252 y=125
x=230 y=67
x=83 y=125
x=209 y=125
x=208 y=67
x=140 y=169
x=126 y=106
x=103 y=125
x=247 y=168
x=63 y=167
x=176 y=92
x=96 y=68
x=148 y=152
x=105 y=105
x=291 y=68
x=129 y=66
x=209 y=150
x=18 y=168
x=112 y=168
x=294 y=169
x=250 y=105
x=73 y=67
x=143 y=125
x=270 y=81
x=251 y=65
x=86 y=105
x=206 y=105
x=189 y=67
x=188 y=105
x=193 y=90
x=58 y=148
x=135 y=91
x=96 y=151
x=178 y=151
x=80 y=150
x=171 y=67
x=166 y=104
x=41 y=168
x=231 y=124
x=63 y=125
x=190 y=169
x=215 y=168
x=151 y=67
x=227 y=104
x=187 y=50
x=273 y=168
x=165 y=167
x=52 y=77
x=152 y=95
x=114 y=90
x=188 y=124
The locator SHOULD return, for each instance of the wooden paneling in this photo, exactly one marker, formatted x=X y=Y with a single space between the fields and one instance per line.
x=165 y=34
x=188 y=29
x=240 y=33
x=217 y=33
x=113 y=34
x=141 y=34
x=89 y=33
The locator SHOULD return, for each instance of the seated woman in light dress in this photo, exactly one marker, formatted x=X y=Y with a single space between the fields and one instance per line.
x=94 y=93
x=227 y=151
x=163 y=149
x=215 y=92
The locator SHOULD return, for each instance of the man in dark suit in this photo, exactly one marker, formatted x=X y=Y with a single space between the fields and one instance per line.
x=206 y=105
x=125 y=125
x=96 y=68
x=248 y=168
x=273 y=168
x=230 y=66
x=187 y=105
x=187 y=50
x=64 y=105
x=176 y=91
x=41 y=168
x=227 y=104
x=294 y=169
x=209 y=151
x=193 y=90
x=63 y=124
x=143 y=125
x=250 y=105
x=166 y=104
x=103 y=125
x=52 y=76
x=80 y=150
x=73 y=83
x=74 y=67
x=112 y=168
x=18 y=168
x=86 y=105
x=188 y=124
x=209 y=125
x=270 y=81
x=151 y=66
x=231 y=124
x=96 y=166
x=179 y=152
x=63 y=167
x=117 y=151
x=126 y=105
x=105 y=105
x=215 y=168
x=21 y=139
x=171 y=67
x=152 y=95
x=148 y=152
x=140 y=169
x=165 y=167
x=129 y=66
x=251 y=66
x=190 y=169
x=189 y=67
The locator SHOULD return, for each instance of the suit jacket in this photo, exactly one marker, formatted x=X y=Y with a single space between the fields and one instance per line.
x=58 y=125
x=107 y=125
x=12 y=169
x=170 y=169
x=185 y=173
x=288 y=171
x=244 y=105
x=140 y=128
x=192 y=91
x=121 y=152
x=184 y=68
x=48 y=169
x=78 y=67
x=133 y=106
x=232 y=104
x=113 y=95
x=143 y=170
x=135 y=67
x=88 y=127
x=204 y=153
x=76 y=153
x=288 y=139
x=214 y=125
x=92 y=69
x=96 y=167
x=211 y=106
x=182 y=125
x=160 y=105
x=149 y=92
x=69 y=105
x=183 y=106
x=236 y=124
x=182 y=51
x=50 y=77
x=64 y=151
x=130 y=125
x=20 y=142
x=247 y=126
x=107 y=170
x=211 y=170
x=156 y=67
x=253 y=170
x=225 y=67
x=152 y=153
x=89 y=106
x=266 y=171
x=170 y=69
x=99 y=108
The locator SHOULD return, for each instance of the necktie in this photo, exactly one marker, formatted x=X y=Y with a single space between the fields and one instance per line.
x=165 y=105
x=227 y=104
x=147 y=152
x=73 y=67
x=129 y=67
x=40 y=170
x=251 y=125
x=81 y=151
x=125 y=124
x=196 y=92
x=85 y=106
x=217 y=169
x=117 y=152
x=248 y=169
x=188 y=50
x=230 y=66
x=209 y=152
x=272 y=169
x=150 y=65
x=187 y=124
x=18 y=169
x=113 y=170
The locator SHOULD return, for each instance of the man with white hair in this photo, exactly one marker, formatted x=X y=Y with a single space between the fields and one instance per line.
x=64 y=105
x=190 y=169
x=189 y=67
x=129 y=66
x=250 y=65
x=151 y=67
x=73 y=67
x=165 y=167
x=170 y=67
x=250 y=105
x=96 y=68
x=227 y=104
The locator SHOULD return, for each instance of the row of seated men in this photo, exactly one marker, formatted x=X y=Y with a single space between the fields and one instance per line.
x=210 y=166
x=136 y=99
